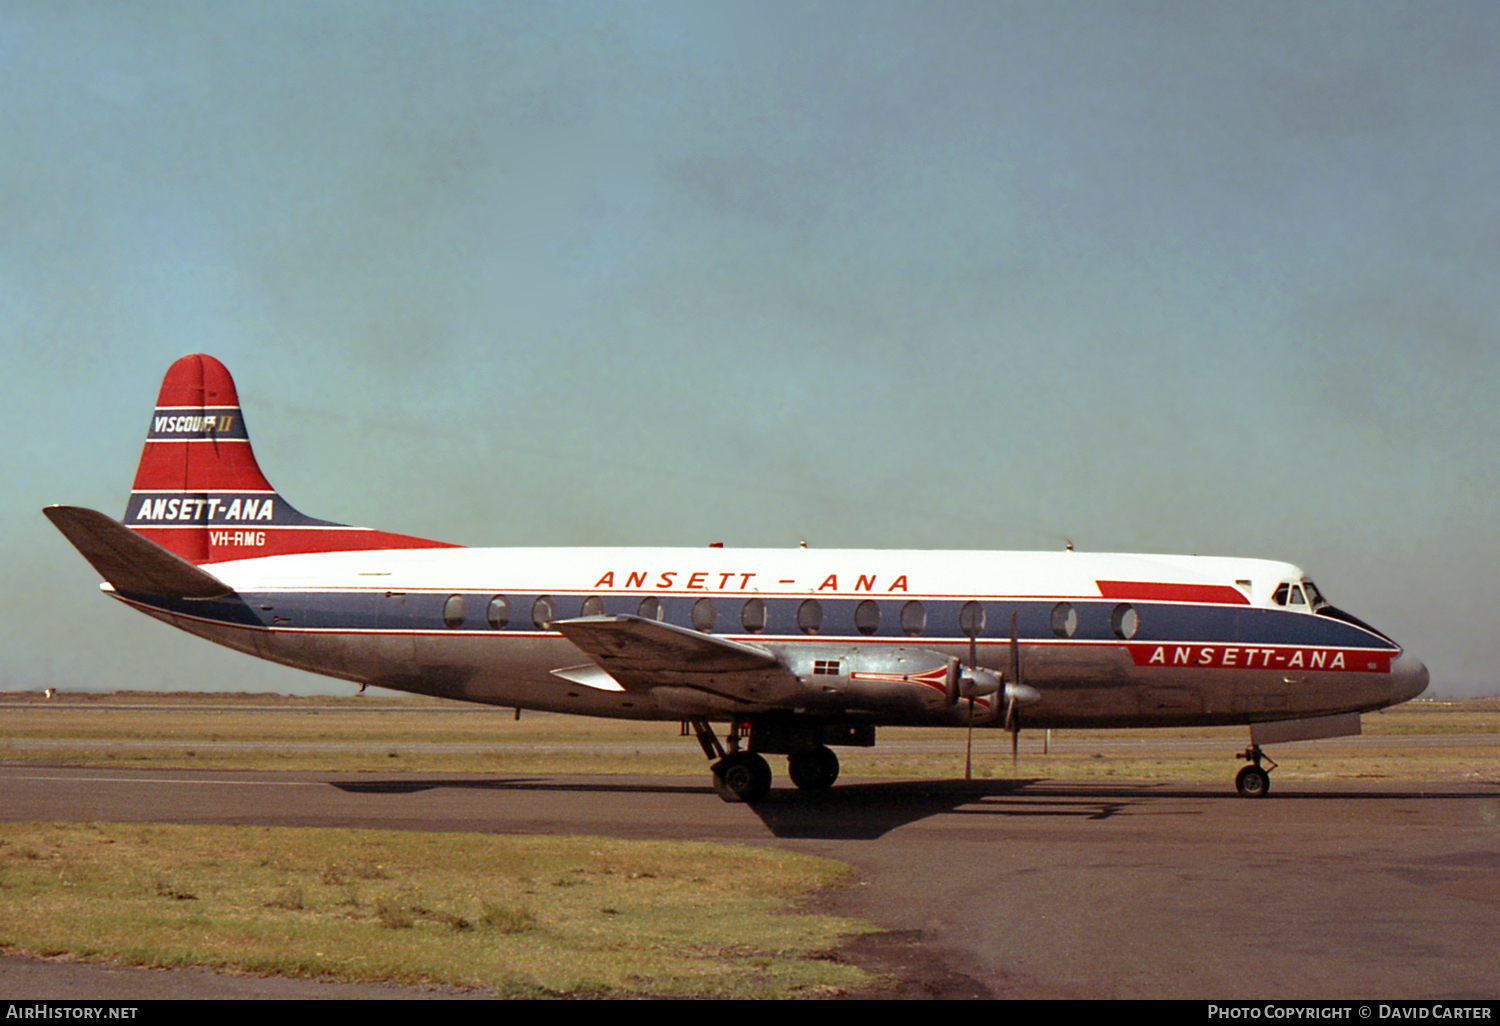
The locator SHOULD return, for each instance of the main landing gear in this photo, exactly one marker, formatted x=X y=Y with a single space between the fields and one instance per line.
x=742 y=777
x=1252 y=781
x=813 y=770
x=745 y=776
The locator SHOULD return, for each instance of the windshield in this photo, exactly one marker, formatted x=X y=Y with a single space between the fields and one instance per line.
x=1315 y=598
x=1290 y=593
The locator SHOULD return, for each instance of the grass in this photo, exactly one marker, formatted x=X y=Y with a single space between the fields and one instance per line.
x=377 y=734
x=527 y=916
x=534 y=916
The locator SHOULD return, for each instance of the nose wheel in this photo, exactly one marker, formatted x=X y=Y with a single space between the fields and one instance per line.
x=1253 y=781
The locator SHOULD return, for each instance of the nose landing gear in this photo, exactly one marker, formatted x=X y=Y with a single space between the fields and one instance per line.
x=1252 y=781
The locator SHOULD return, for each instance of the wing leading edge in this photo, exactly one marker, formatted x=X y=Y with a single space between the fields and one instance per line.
x=643 y=654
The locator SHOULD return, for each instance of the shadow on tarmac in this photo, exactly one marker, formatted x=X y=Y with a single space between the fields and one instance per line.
x=861 y=811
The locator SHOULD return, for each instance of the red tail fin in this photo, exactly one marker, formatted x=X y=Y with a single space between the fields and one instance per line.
x=199 y=492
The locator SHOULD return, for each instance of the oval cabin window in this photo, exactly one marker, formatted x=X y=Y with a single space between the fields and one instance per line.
x=971 y=620
x=1064 y=620
x=704 y=614
x=541 y=613
x=453 y=611
x=810 y=616
x=753 y=616
x=499 y=612
x=913 y=618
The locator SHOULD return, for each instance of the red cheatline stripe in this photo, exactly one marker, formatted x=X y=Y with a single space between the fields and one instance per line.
x=198 y=545
x=1147 y=591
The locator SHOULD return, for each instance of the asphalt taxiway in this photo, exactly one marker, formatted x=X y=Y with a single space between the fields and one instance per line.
x=1022 y=889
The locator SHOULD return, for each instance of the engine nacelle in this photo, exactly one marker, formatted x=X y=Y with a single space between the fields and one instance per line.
x=875 y=678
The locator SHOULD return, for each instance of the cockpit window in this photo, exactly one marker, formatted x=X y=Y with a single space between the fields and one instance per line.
x=1292 y=594
x=1314 y=596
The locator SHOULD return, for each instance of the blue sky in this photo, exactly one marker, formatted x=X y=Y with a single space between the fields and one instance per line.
x=1171 y=277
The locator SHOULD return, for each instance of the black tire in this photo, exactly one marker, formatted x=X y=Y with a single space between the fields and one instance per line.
x=815 y=770
x=742 y=777
x=1252 y=782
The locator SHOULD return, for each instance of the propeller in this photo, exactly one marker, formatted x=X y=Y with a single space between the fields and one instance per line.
x=1013 y=693
x=973 y=627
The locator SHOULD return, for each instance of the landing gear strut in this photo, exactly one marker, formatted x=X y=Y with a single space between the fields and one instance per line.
x=1252 y=781
x=742 y=777
x=738 y=776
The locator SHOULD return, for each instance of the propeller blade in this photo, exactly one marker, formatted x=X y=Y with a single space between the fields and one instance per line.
x=969 y=745
x=973 y=628
x=1015 y=652
x=1012 y=720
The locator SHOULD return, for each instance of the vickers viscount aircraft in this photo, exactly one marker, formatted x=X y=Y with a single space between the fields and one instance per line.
x=797 y=650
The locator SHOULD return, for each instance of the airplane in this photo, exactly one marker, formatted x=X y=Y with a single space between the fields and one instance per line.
x=798 y=650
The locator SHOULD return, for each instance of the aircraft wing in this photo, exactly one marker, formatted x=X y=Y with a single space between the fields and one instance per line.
x=642 y=654
x=130 y=562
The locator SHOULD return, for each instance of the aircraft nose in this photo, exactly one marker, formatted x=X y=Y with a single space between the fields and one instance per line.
x=1408 y=678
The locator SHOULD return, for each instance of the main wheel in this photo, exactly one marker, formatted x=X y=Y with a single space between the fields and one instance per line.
x=1252 y=782
x=742 y=777
x=815 y=770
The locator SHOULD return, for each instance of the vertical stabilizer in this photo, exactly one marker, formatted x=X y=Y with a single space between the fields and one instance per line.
x=199 y=493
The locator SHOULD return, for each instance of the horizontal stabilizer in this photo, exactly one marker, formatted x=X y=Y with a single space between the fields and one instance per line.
x=130 y=562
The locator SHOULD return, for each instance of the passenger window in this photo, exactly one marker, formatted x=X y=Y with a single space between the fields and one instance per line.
x=971 y=619
x=1124 y=621
x=810 y=616
x=913 y=618
x=592 y=606
x=867 y=617
x=499 y=612
x=753 y=616
x=1064 y=620
x=541 y=613
x=453 y=611
x=650 y=608
x=704 y=614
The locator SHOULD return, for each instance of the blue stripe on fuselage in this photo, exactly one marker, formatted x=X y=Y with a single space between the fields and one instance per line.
x=364 y=610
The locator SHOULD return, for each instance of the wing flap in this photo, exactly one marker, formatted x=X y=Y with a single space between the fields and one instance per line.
x=642 y=654
x=129 y=562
